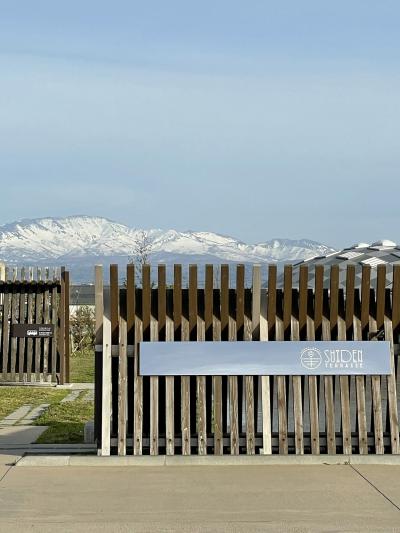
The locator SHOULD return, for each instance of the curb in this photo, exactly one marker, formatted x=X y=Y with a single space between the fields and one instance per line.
x=178 y=460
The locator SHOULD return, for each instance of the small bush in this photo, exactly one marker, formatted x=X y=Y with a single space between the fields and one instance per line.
x=82 y=329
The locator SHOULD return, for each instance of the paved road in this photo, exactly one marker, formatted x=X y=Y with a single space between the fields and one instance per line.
x=199 y=498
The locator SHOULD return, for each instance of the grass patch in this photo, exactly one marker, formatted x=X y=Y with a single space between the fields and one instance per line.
x=11 y=398
x=66 y=421
x=82 y=367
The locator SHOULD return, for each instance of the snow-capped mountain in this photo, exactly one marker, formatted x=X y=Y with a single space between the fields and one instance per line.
x=79 y=242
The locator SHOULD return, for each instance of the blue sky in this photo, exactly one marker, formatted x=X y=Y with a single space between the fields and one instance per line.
x=256 y=119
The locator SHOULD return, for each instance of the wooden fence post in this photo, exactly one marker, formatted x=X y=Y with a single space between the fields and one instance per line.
x=106 y=377
x=64 y=327
x=98 y=387
x=67 y=340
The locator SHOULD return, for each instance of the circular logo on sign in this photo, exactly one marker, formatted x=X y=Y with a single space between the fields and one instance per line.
x=311 y=358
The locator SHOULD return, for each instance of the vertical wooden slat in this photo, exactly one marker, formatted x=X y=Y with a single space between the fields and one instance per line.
x=106 y=377
x=148 y=400
x=15 y=297
x=359 y=327
x=46 y=320
x=38 y=320
x=30 y=314
x=154 y=381
x=240 y=303
x=255 y=336
x=164 y=308
x=378 y=324
x=225 y=302
x=271 y=321
x=54 y=321
x=307 y=332
x=185 y=380
x=303 y=301
x=177 y=330
x=318 y=318
x=217 y=380
x=350 y=308
x=130 y=304
x=150 y=386
x=177 y=317
x=271 y=317
x=114 y=304
x=6 y=331
x=392 y=396
x=256 y=303
x=297 y=388
x=161 y=335
x=268 y=334
x=209 y=331
x=122 y=376
x=360 y=396
x=283 y=329
x=255 y=327
x=67 y=350
x=365 y=300
x=61 y=331
x=365 y=327
x=287 y=300
x=98 y=388
x=248 y=380
x=114 y=310
x=22 y=320
x=344 y=386
x=138 y=380
x=235 y=391
x=227 y=321
x=197 y=333
x=392 y=329
x=329 y=319
x=131 y=347
x=312 y=380
x=396 y=303
x=225 y=332
x=281 y=393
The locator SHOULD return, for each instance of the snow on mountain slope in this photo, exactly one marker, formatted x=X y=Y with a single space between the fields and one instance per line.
x=86 y=239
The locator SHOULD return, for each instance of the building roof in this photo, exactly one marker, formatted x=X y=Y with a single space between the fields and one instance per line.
x=382 y=252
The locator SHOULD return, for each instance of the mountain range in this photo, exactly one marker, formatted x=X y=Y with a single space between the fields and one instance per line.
x=80 y=242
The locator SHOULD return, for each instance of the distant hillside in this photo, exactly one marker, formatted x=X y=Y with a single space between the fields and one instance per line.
x=80 y=242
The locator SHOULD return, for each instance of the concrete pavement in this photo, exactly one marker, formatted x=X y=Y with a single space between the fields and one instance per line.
x=293 y=498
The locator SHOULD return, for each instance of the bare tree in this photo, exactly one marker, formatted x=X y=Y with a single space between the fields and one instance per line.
x=141 y=251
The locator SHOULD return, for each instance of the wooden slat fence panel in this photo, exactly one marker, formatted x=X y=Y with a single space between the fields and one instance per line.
x=29 y=299
x=236 y=415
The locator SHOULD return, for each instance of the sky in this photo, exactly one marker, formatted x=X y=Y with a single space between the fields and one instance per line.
x=254 y=119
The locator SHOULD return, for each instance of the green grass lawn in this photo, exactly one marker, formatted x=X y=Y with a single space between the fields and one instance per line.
x=66 y=421
x=82 y=367
x=13 y=397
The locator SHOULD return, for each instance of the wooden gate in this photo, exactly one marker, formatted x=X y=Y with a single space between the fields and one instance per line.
x=243 y=415
x=34 y=296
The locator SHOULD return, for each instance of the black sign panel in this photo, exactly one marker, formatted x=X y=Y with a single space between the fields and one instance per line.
x=33 y=331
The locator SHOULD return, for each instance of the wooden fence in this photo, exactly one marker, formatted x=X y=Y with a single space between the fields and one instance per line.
x=233 y=414
x=34 y=296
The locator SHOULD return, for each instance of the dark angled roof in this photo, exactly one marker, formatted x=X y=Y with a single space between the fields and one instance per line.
x=378 y=253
